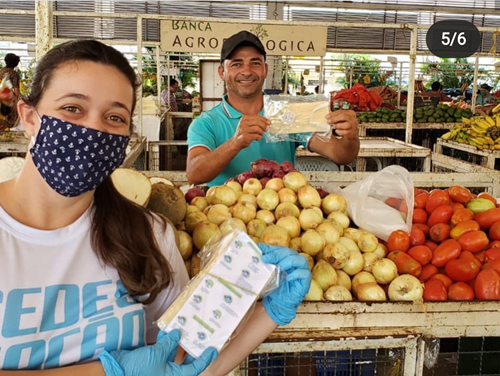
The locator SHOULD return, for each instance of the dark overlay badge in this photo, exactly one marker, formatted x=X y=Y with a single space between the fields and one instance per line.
x=453 y=39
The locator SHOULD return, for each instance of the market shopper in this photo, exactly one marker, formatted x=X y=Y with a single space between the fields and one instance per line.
x=224 y=140
x=8 y=105
x=85 y=273
x=484 y=96
x=437 y=91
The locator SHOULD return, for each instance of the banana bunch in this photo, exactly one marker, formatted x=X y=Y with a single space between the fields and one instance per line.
x=464 y=86
x=482 y=132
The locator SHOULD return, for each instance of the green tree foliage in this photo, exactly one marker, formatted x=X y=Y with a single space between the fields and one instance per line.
x=451 y=73
x=364 y=66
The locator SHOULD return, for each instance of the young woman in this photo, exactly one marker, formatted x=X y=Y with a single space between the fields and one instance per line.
x=84 y=273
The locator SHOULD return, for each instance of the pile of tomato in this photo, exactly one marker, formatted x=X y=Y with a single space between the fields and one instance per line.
x=454 y=245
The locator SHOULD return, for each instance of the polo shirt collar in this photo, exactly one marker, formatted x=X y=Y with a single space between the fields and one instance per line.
x=231 y=113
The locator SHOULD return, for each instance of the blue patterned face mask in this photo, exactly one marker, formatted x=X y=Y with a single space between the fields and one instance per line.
x=73 y=159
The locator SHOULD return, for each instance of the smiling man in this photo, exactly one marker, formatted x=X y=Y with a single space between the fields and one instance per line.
x=224 y=140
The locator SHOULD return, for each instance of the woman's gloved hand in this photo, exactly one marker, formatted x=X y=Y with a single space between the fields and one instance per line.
x=157 y=359
x=282 y=303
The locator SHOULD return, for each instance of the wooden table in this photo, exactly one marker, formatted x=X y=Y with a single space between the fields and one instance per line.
x=18 y=145
x=382 y=147
x=484 y=158
x=415 y=126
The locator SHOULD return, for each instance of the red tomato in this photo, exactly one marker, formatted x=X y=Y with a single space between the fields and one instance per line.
x=393 y=202
x=494 y=233
x=460 y=291
x=431 y=245
x=470 y=256
x=437 y=198
x=463 y=228
x=457 y=206
x=495 y=265
x=462 y=270
x=459 y=194
x=420 y=216
x=481 y=256
x=494 y=244
x=487 y=286
x=487 y=218
x=423 y=227
x=487 y=196
x=492 y=254
x=427 y=272
x=421 y=253
x=461 y=215
x=405 y=263
x=448 y=250
x=403 y=207
x=417 y=237
x=421 y=200
x=473 y=241
x=398 y=240
x=442 y=214
x=439 y=232
x=435 y=290
x=443 y=278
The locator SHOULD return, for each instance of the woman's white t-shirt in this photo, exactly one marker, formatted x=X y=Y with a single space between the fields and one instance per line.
x=60 y=305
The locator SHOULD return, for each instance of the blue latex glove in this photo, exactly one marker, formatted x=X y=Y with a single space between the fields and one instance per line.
x=282 y=303
x=157 y=359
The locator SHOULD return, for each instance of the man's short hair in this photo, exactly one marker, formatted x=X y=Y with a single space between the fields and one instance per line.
x=173 y=81
x=243 y=38
x=436 y=86
x=11 y=60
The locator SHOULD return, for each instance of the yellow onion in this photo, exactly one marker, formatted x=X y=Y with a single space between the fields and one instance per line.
x=309 y=259
x=285 y=209
x=343 y=279
x=232 y=224
x=268 y=199
x=341 y=218
x=336 y=254
x=309 y=219
x=360 y=278
x=315 y=293
x=203 y=232
x=200 y=202
x=287 y=195
x=235 y=186
x=371 y=292
x=244 y=211
x=267 y=216
x=381 y=251
x=406 y=288
x=312 y=242
x=275 y=184
x=185 y=244
x=181 y=226
x=355 y=263
x=324 y=274
x=291 y=225
x=191 y=209
x=218 y=213
x=294 y=180
x=224 y=195
x=308 y=197
x=367 y=242
x=333 y=202
x=193 y=219
x=329 y=231
x=252 y=186
x=296 y=244
x=338 y=293
x=248 y=198
x=353 y=233
x=369 y=258
x=255 y=227
x=275 y=235
x=255 y=239
x=350 y=244
x=384 y=271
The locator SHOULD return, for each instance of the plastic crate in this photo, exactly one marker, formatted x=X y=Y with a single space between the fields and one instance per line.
x=315 y=164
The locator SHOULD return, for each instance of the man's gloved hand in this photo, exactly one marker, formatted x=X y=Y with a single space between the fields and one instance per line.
x=282 y=303
x=157 y=359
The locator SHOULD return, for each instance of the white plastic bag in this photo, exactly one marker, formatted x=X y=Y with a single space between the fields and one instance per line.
x=381 y=203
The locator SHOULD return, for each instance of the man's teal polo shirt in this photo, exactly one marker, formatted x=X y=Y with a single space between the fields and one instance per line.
x=217 y=125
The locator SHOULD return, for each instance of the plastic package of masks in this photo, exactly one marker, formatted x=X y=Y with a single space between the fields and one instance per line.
x=215 y=302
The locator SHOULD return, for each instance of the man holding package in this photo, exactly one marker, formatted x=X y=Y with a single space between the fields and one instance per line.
x=224 y=140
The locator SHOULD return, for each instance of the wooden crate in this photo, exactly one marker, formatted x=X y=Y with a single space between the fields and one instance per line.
x=484 y=158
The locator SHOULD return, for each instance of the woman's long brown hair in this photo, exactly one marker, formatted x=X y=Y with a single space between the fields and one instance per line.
x=122 y=232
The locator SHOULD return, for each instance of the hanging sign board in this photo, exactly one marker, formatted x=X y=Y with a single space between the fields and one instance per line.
x=208 y=37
